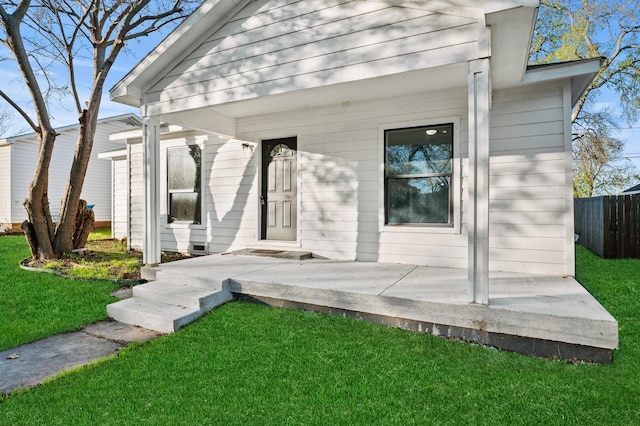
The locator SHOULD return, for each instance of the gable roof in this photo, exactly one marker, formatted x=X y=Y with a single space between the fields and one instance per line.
x=510 y=37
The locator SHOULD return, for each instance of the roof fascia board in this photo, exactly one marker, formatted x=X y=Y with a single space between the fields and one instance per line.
x=581 y=74
x=562 y=70
x=205 y=20
x=492 y=6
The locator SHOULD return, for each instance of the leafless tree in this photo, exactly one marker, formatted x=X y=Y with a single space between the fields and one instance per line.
x=43 y=37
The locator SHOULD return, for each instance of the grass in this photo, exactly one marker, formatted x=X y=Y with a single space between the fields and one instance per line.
x=37 y=305
x=252 y=364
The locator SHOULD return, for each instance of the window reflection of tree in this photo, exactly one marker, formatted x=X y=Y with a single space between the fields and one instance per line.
x=184 y=184
x=418 y=170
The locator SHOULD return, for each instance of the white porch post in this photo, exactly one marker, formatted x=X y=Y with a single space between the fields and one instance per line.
x=479 y=85
x=151 y=155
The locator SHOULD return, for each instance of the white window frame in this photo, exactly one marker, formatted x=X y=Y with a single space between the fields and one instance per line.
x=456 y=181
x=166 y=146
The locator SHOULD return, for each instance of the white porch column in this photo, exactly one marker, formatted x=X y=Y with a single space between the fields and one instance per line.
x=151 y=155
x=479 y=85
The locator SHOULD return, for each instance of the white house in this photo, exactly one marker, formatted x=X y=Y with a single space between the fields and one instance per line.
x=380 y=130
x=18 y=156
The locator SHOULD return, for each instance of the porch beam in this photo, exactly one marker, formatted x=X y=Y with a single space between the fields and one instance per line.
x=479 y=86
x=151 y=158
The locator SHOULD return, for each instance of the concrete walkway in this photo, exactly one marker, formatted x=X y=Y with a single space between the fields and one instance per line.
x=29 y=365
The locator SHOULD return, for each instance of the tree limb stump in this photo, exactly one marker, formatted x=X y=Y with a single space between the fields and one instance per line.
x=29 y=232
x=85 y=220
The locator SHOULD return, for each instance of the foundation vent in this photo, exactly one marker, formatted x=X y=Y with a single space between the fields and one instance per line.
x=198 y=248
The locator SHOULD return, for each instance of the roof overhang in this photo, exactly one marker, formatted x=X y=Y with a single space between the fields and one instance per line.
x=209 y=17
x=129 y=118
x=581 y=73
x=118 y=154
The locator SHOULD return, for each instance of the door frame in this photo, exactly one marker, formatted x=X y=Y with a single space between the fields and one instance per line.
x=262 y=218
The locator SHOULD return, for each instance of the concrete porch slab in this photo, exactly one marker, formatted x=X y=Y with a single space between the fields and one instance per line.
x=524 y=311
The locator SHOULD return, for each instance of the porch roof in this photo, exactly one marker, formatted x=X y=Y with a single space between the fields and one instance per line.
x=511 y=22
x=526 y=313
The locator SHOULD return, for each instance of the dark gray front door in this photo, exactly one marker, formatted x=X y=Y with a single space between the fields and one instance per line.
x=279 y=189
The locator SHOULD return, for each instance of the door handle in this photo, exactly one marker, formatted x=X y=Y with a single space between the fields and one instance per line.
x=262 y=200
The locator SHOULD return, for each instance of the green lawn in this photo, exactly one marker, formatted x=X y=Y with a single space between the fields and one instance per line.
x=251 y=364
x=36 y=305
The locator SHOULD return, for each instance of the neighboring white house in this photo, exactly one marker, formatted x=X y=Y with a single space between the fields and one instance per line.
x=18 y=157
x=389 y=130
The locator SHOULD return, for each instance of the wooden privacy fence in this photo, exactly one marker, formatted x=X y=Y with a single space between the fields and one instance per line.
x=610 y=225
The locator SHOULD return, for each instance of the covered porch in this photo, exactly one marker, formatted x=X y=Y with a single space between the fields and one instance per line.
x=546 y=316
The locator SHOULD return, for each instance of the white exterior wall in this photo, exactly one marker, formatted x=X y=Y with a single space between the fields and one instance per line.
x=136 y=198
x=120 y=179
x=531 y=210
x=340 y=175
x=340 y=182
x=229 y=195
x=5 y=184
x=340 y=157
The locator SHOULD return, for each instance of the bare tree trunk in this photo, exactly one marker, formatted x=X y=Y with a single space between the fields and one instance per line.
x=66 y=228
x=37 y=202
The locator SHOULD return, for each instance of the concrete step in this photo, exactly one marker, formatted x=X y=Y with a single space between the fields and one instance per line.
x=179 y=293
x=158 y=316
x=169 y=303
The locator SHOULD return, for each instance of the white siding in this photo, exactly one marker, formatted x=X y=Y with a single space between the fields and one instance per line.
x=529 y=210
x=96 y=190
x=24 y=157
x=229 y=194
x=120 y=188
x=275 y=46
x=97 y=184
x=339 y=171
x=136 y=197
x=5 y=184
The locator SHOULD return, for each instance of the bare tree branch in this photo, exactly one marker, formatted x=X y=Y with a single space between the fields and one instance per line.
x=20 y=111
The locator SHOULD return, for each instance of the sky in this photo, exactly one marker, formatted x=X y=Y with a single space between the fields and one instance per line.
x=63 y=112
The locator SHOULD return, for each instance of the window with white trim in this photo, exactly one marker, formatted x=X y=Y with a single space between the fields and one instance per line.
x=184 y=194
x=418 y=171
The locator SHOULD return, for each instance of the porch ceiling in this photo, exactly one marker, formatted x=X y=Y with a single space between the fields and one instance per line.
x=419 y=81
